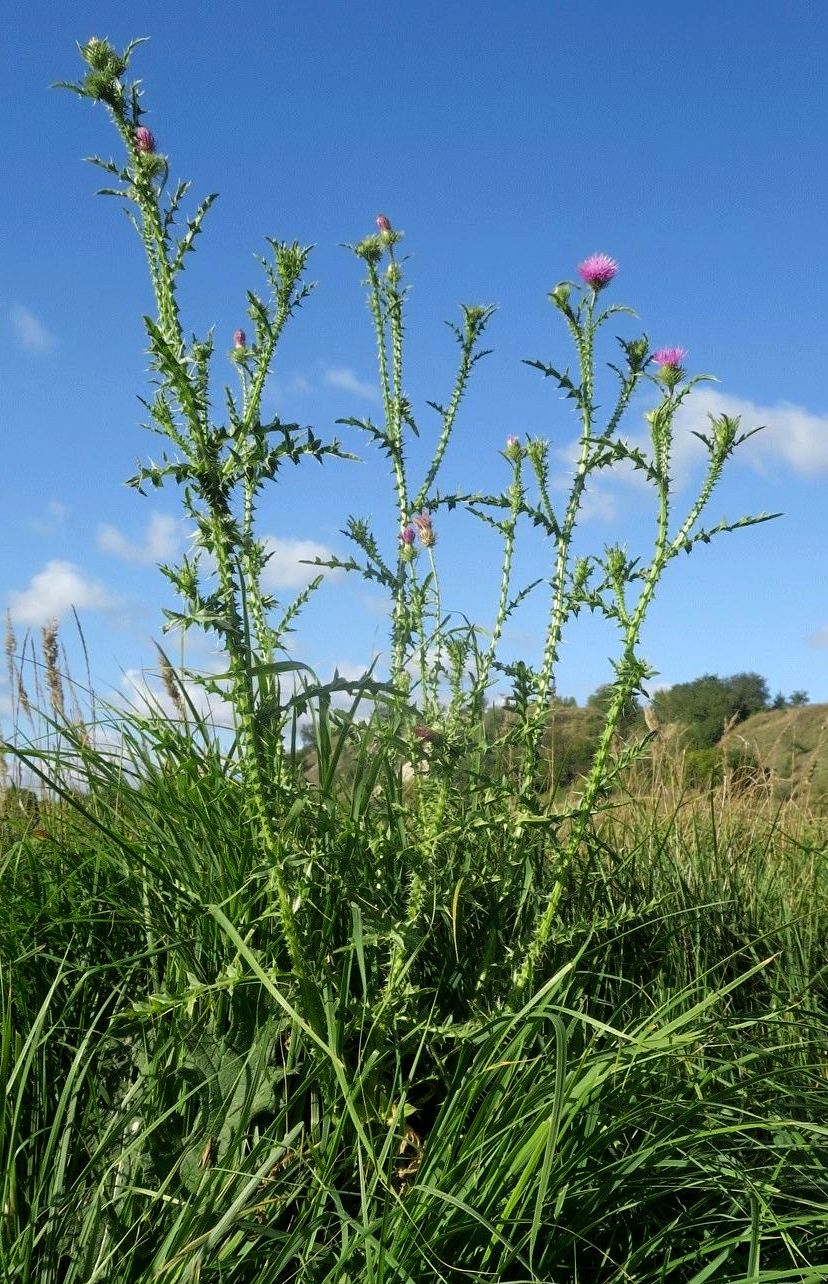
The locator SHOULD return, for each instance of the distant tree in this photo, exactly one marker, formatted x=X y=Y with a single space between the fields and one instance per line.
x=797 y=698
x=710 y=704
x=779 y=701
x=599 y=701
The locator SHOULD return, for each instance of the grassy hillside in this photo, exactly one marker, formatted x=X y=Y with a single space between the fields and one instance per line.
x=791 y=748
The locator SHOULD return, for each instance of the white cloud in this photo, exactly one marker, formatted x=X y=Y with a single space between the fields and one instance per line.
x=145 y=693
x=53 y=591
x=343 y=378
x=792 y=433
x=30 y=332
x=284 y=569
x=598 y=504
x=160 y=542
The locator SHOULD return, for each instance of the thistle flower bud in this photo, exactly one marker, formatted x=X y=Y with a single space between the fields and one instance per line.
x=513 y=449
x=408 y=535
x=669 y=360
x=145 y=140
x=425 y=530
x=99 y=54
x=383 y=223
x=370 y=248
x=560 y=295
x=239 y=339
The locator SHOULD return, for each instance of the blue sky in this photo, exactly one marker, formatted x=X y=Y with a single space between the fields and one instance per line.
x=508 y=141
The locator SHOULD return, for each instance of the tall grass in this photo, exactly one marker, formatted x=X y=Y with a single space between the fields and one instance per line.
x=653 y=1111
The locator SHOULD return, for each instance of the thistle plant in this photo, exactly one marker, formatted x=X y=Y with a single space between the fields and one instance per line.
x=620 y=587
x=441 y=673
x=613 y=583
x=417 y=625
x=220 y=467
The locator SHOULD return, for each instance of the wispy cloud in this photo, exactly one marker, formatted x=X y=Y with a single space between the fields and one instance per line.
x=285 y=569
x=791 y=436
x=53 y=519
x=791 y=433
x=30 y=332
x=161 y=541
x=54 y=591
x=144 y=693
x=346 y=380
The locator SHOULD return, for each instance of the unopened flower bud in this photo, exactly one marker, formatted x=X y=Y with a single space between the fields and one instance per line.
x=239 y=339
x=513 y=448
x=145 y=140
x=560 y=295
x=408 y=535
x=98 y=53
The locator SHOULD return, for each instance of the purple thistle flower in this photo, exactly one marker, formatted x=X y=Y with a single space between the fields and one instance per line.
x=598 y=270
x=239 y=339
x=671 y=357
x=408 y=535
x=145 y=140
x=383 y=223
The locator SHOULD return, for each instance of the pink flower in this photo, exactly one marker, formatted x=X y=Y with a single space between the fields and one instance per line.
x=239 y=339
x=145 y=140
x=671 y=357
x=598 y=270
x=383 y=223
x=408 y=535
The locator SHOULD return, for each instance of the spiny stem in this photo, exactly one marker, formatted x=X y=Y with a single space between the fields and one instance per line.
x=509 y=529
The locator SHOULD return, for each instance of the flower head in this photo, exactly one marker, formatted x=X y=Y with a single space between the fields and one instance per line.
x=239 y=339
x=598 y=270
x=145 y=140
x=408 y=534
x=671 y=357
x=425 y=529
x=513 y=449
x=383 y=223
x=426 y=734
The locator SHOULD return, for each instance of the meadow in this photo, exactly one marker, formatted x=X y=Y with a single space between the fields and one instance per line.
x=425 y=1013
